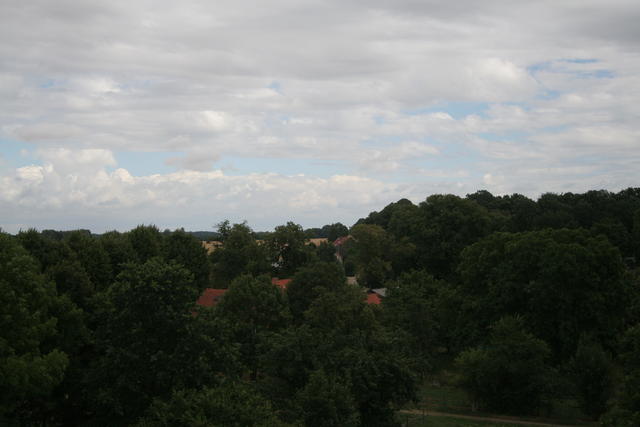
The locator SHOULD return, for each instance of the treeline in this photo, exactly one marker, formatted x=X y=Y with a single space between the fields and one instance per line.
x=524 y=301
x=532 y=301
x=105 y=331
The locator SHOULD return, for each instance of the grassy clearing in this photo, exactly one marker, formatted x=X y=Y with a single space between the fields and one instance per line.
x=410 y=420
x=440 y=396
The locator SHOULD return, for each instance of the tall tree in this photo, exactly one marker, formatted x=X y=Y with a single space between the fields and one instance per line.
x=508 y=374
x=372 y=254
x=288 y=249
x=188 y=251
x=448 y=225
x=240 y=254
x=230 y=404
x=310 y=282
x=563 y=282
x=30 y=367
x=146 y=241
x=151 y=341
x=340 y=358
x=255 y=307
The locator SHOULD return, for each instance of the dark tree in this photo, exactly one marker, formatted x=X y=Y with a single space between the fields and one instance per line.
x=255 y=307
x=448 y=225
x=230 y=404
x=240 y=254
x=31 y=366
x=372 y=254
x=563 y=282
x=592 y=371
x=310 y=282
x=188 y=251
x=288 y=249
x=510 y=374
x=146 y=241
x=151 y=341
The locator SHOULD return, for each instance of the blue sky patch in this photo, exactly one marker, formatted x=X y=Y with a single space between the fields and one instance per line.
x=140 y=163
x=16 y=154
x=236 y=166
x=580 y=60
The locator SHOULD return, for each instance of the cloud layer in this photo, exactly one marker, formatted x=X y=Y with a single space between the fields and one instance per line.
x=380 y=100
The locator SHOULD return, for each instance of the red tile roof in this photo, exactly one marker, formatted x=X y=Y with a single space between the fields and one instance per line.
x=281 y=283
x=373 y=299
x=210 y=297
x=341 y=240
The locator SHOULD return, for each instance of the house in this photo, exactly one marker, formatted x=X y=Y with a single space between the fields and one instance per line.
x=342 y=240
x=317 y=241
x=210 y=297
x=281 y=283
x=373 y=298
x=212 y=245
x=339 y=244
x=382 y=292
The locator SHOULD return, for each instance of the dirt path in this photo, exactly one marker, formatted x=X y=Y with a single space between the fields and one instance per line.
x=477 y=418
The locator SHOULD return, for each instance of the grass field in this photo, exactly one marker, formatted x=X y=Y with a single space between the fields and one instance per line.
x=442 y=397
x=410 y=420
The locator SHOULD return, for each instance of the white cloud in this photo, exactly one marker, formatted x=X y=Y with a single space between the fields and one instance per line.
x=408 y=90
x=48 y=193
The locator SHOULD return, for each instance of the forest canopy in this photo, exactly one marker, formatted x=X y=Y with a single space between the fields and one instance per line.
x=525 y=301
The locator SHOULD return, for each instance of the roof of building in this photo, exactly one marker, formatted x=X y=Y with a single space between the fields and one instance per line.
x=281 y=283
x=210 y=297
x=380 y=291
x=317 y=241
x=341 y=240
x=373 y=298
x=212 y=245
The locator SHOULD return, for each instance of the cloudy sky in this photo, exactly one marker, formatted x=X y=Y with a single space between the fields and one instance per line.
x=185 y=113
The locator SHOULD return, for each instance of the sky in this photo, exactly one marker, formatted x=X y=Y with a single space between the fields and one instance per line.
x=184 y=114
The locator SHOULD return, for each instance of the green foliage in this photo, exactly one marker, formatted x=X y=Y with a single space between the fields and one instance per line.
x=188 y=251
x=120 y=250
x=592 y=374
x=256 y=308
x=241 y=254
x=146 y=242
x=29 y=367
x=384 y=217
x=230 y=404
x=326 y=252
x=626 y=410
x=310 y=282
x=510 y=373
x=254 y=302
x=447 y=225
x=347 y=351
x=333 y=231
x=371 y=254
x=417 y=305
x=72 y=279
x=326 y=401
x=151 y=341
x=45 y=250
x=103 y=330
x=563 y=282
x=287 y=248
x=93 y=258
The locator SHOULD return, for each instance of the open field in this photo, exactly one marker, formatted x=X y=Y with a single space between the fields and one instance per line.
x=441 y=420
x=446 y=405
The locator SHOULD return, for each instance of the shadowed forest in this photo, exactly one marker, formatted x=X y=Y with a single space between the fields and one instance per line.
x=517 y=303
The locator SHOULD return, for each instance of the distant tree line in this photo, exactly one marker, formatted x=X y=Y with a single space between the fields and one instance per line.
x=524 y=301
